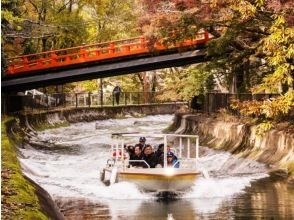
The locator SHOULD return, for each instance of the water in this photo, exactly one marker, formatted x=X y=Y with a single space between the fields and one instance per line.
x=66 y=162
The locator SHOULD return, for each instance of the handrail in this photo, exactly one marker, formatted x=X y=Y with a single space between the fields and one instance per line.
x=175 y=164
x=159 y=135
x=73 y=48
x=100 y=51
x=141 y=161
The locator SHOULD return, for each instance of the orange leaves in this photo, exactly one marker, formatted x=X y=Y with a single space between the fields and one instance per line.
x=248 y=108
x=270 y=108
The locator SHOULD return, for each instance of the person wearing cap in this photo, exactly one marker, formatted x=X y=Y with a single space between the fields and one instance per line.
x=172 y=160
x=142 y=141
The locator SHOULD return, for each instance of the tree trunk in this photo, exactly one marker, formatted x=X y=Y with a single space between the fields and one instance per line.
x=44 y=40
x=101 y=91
x=70 y=6
x=146 y=87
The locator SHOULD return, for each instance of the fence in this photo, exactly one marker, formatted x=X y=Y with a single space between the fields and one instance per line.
x=213 y=102
x=210 y=102
x=38 y=102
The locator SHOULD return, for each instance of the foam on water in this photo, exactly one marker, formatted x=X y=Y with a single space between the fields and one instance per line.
x=75 y=174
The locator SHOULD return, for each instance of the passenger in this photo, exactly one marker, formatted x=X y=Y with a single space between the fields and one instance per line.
x=160 y=149
x=172 y=160
x=139 y=145
x=130 y=149
x=149 y=156
x=159 y=155
x=169 y=150
x=142 y=141
x=137 y=156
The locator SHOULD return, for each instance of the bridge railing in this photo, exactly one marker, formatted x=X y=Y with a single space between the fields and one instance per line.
x=45 y=102
x=94 y=53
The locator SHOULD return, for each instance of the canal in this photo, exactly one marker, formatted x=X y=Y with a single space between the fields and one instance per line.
x=66 y=162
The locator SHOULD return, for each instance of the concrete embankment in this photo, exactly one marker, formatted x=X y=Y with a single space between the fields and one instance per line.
x=43 y=120
x=275 y=147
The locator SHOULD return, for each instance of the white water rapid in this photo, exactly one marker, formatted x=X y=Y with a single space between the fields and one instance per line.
x=66 y=162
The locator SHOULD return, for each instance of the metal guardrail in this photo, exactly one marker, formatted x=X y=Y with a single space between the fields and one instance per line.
x=209 y=103
x=45 y=102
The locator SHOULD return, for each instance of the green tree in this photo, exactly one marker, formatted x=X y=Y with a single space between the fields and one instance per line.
x=111 y=19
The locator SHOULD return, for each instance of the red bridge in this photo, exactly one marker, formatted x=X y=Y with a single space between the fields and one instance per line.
x=98 y=60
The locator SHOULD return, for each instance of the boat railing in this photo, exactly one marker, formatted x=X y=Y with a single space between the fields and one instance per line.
x=186 y=163
x=176 y=163
x=140 y=161
x=183 y=150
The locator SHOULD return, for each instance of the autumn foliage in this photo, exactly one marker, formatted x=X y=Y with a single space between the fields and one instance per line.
x=253 y=45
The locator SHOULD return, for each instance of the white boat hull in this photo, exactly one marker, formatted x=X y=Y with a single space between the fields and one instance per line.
x=157 y=179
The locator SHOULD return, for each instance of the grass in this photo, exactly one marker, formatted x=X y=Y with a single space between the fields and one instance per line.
x=290 y=168
x=19 y=200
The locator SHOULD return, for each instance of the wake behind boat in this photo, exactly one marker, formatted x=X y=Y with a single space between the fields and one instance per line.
x=166 y=176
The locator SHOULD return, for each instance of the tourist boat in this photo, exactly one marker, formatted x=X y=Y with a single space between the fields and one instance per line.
x=165 y=179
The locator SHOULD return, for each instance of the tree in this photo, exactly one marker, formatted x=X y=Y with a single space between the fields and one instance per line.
x=252 y=45
x=111 y=19
x=40 y=25
x=185 y=82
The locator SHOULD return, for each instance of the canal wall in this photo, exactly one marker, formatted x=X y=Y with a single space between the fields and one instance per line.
x=48 y=119
x=275 y=147
x=21 y=197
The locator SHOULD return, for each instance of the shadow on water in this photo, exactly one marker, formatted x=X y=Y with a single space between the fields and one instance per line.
x=73 y=209
x=167 y=196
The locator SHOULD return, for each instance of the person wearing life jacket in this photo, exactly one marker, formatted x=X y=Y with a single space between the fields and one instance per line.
x=149 y=156
x=137 y=155
x=119 y=154
x=160 y=154
x=172 y=160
